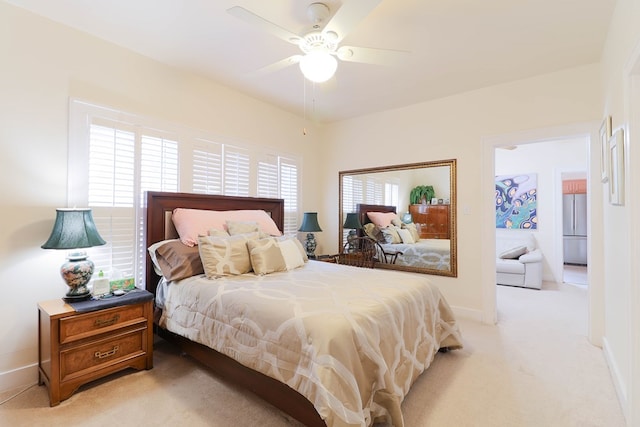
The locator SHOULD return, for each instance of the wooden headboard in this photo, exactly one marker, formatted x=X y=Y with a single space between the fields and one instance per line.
x=160 y=205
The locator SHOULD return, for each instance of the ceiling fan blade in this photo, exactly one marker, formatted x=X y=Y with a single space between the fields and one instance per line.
x=372 y=56
x=276 y=66
x=258 y=21
x=348 y=16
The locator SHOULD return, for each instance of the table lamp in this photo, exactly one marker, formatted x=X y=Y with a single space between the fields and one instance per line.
x=310 y=225
x=352 y=223
x=74 y=230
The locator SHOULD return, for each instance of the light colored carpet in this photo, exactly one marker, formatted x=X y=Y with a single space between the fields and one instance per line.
x=535 y=368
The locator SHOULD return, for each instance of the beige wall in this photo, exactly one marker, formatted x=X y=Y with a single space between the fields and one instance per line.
x=455 y=127
x=622 y=297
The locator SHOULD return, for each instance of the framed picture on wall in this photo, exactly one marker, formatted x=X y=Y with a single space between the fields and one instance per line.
x=605 y=135
x=616 y=164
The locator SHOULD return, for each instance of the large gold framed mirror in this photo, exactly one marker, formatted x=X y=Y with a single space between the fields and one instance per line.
x=423 y=198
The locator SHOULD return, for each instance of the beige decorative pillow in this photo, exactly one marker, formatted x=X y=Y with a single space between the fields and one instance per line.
x=373 y=231
x=271 y=255
x=405 y=236
x=224 y=256
x=413 y=229
x=214 y=232
x=242 y=227
x=391 y=234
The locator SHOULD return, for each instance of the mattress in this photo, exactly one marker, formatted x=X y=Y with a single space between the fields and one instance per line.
x=351 y=340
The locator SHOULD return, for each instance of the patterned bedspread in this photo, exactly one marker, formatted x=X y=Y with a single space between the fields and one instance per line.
x=351 y=340
x=426 y=253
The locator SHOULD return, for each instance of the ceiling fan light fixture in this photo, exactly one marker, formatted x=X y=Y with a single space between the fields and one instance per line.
x=318 y=66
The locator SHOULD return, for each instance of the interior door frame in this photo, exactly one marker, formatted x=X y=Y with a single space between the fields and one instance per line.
x=589 y=130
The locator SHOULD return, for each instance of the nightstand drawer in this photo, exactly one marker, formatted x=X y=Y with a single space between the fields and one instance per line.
x=77 y=327
x=90 y=357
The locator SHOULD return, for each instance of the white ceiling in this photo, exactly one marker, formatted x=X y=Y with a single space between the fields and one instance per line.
x=455 y=45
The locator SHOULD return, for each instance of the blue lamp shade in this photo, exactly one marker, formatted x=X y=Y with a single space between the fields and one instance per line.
x=310 y=225
x=75 y=229
x=352 y=222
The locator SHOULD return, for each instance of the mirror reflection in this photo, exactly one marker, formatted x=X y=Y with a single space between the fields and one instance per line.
x=409 y=209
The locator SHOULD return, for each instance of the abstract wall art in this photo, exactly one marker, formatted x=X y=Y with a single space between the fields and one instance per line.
x=516 y=201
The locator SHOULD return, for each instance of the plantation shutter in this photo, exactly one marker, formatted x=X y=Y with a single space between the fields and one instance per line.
x=268 y=176
x=289 y=192
x=236 y=171
x=110 y=195
x=207 y=168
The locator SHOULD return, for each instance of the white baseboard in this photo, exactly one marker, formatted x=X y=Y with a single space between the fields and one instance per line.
x=618 y=382
x=18 y=378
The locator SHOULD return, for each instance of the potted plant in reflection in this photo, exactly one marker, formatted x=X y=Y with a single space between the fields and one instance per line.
x=421 y=194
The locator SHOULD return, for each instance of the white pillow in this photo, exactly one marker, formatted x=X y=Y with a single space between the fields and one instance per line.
x=296 y=242
x=291 y=254
x=405 y=235
x=513 y=253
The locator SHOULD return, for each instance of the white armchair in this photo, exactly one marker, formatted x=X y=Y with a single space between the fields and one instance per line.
x=518 y=261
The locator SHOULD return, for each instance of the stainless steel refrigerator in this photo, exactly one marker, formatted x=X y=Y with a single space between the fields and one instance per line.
x=574 y=225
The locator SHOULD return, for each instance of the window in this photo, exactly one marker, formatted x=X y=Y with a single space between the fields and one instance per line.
x=115 y=157
x=391 y=195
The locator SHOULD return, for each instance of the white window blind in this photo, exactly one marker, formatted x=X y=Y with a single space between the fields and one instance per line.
x=352 y=195
x=391 y=195
x=207 y=168
x=268 y=182
x=115 y=157
x=374 y=191
x=289 y=192
x=236 y=171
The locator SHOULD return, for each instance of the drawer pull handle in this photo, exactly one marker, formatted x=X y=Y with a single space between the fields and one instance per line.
x=108 y=322
x=111 y=352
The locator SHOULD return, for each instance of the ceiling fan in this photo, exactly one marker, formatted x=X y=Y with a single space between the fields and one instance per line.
x=321 y=46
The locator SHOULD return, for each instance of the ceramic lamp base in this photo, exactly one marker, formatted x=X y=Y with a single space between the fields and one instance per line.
x=351 y=240
x=310 y=245
x=77 y=272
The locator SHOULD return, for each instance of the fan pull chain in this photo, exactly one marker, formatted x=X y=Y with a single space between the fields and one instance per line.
x=304 y=107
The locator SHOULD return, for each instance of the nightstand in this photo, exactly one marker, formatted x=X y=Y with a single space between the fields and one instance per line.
x=76 y=348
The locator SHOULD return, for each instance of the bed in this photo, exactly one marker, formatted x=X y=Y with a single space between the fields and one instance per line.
x=433 y=254
x=333 y=353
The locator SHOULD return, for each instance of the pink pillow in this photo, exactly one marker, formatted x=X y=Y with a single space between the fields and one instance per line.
x=191 y=223
x=382 y=219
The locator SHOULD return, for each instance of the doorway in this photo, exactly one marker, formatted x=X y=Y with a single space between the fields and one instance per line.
x=552 y=247
x=549 y=163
